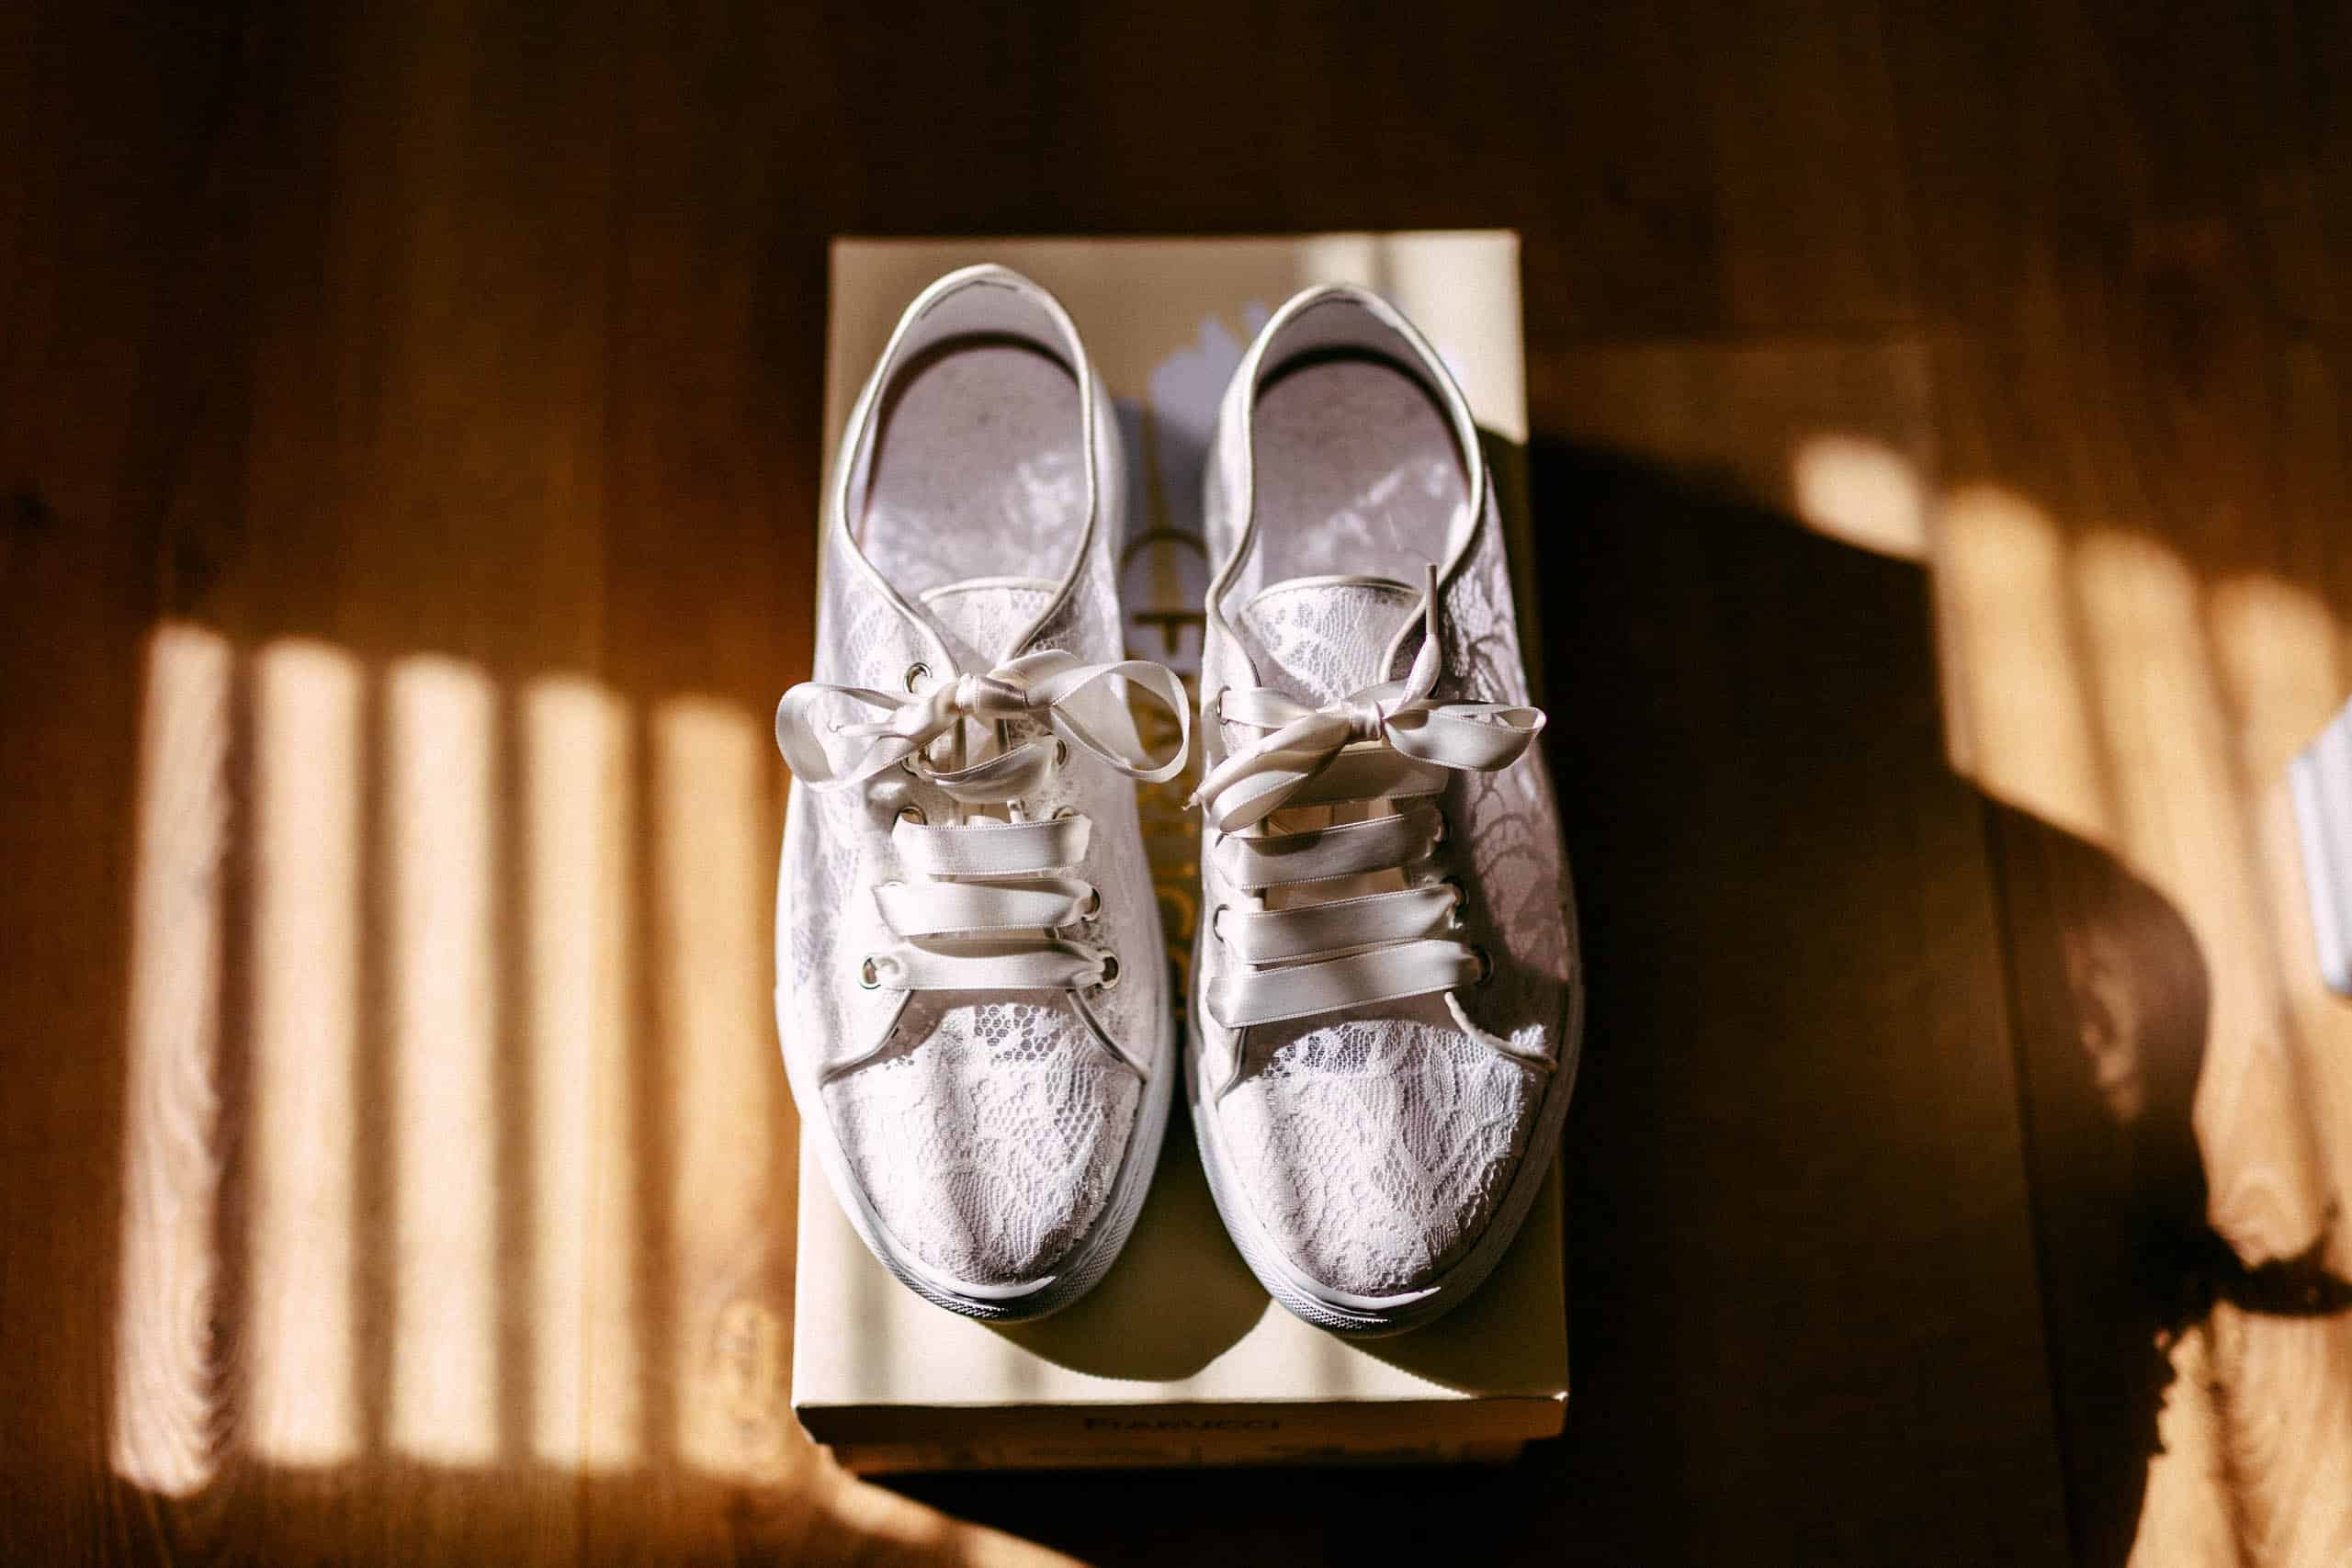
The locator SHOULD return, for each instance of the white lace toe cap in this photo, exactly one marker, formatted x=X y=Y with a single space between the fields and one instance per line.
x=989 y=1149
x=1376 y=1151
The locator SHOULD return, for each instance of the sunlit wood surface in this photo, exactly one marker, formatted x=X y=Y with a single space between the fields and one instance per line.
x=408 y=427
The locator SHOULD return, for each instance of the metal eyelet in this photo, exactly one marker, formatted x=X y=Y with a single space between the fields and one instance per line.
x=869 y=973
x=1110 y=978
x=1444 y=829
x=913 y=813
x=917 y=673
x=1094 y=904
x=1216 y=921
x=1460 y=897
x=1061 y=753
x=1062 y=814
x=1485 y=966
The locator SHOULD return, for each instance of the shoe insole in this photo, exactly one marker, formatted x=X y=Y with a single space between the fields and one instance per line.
x=1356 y=470
x=979 y=469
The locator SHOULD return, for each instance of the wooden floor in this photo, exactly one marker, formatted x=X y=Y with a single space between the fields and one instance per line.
x=408 y=423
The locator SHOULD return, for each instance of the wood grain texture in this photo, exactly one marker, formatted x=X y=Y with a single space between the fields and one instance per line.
x=408 y=439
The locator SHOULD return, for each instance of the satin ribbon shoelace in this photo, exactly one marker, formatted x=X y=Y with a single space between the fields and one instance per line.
x=988 y=899
x=1388 y=743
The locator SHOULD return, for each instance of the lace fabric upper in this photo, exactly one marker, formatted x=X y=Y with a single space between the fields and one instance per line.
x=962 y=860
x=984 y=909
x=1377 y=1144
x=988 y=1146
x=1377 y=931
x=1375 y=1139
x=984 y=1126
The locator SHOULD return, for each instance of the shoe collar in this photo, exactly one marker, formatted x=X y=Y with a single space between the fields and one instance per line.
x=1337 y=316
x=986 y=300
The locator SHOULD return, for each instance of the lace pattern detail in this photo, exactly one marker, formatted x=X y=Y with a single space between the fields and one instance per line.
x=1317 y=644
x=980 y=624
x=988 y=1148
x=1375 y=1148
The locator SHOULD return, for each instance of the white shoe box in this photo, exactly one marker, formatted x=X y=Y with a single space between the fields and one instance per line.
x=1178 y=1356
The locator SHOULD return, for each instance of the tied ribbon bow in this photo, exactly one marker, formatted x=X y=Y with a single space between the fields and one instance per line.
x=1079 y=702
x=1301 y=742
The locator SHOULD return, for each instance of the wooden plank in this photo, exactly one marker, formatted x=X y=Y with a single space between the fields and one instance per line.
x=1807 y=158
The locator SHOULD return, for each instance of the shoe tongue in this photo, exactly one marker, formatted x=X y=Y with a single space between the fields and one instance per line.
x=981 y=616
x=1319 y=640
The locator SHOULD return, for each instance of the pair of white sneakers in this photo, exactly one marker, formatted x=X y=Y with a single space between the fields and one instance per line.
x=971 y=985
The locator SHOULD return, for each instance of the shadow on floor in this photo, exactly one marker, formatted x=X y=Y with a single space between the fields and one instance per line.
x=1828 y=1300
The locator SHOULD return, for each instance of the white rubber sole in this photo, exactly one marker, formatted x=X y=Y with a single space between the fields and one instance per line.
x=1371 y=1317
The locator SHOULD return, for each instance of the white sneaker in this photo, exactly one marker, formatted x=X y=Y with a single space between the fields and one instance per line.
x=971 y=985
x=1385 y=999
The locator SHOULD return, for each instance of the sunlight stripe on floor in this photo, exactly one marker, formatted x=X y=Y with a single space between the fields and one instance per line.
x=164 y=1427
x=300 y=1343
x=579 y=821
x=438 y=848
x=2014 y=692
x=729 y=1127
